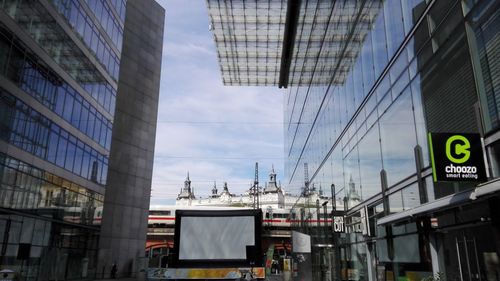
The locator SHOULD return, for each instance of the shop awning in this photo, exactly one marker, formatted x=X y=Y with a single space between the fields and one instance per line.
x=450 y=201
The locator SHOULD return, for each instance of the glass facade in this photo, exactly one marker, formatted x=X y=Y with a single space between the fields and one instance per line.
x=37 y=191
x=67 y=53
x=59 y=66
x=31 y=75
x=48 y=224
x=82 y=23
x=417 y=72
x=29 y=130
x=251 y=37
x=251 y=54
x=405 y=69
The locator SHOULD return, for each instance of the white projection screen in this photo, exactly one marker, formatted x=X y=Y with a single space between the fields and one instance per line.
x=215 y=237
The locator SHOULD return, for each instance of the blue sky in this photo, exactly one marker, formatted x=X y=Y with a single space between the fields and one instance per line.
x=215 y=132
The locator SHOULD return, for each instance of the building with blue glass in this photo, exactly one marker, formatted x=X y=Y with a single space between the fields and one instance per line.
x=393 y=107
x=63 y=105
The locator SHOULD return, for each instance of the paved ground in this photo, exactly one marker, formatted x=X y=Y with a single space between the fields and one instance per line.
x=274 y=278
x=117 y=279
x=268 y=278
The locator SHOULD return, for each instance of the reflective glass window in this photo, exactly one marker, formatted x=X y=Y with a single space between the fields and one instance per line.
x=97 y=129
x=37 y=135
x=14 y=232
x=370 y=163
x=397 y=134
x=411 y=197
x=78 y=159
x=52 y=153
x=27 y=230
x=486 y=50
x=91 y=124
x=102 y=139
x=385 y=101
x=61 y=152
x=75 y=114
x=378 y=39
x=49 y=90
x=4 y=55
x=394 y=25
x=84 y=119
x=412 y=10
x=358 y=89
x=351 y=178
x=70 y=156
x=85 y=172
x=420 y=125
x=367 y=63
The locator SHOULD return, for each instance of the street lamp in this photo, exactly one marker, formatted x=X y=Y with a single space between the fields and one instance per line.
x=334 y=199
x=335 y=237
x=325 y=223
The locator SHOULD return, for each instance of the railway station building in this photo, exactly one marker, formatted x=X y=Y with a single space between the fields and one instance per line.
x=395 y=103
x=79 y=86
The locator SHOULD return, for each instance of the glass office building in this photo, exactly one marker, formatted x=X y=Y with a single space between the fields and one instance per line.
x=400 y=73
x=59 y=74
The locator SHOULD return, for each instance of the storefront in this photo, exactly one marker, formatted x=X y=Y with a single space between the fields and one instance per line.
x=467 y=241
x=456 y=237
x=392 y=252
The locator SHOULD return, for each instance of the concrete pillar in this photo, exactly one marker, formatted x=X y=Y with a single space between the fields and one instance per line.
x=128 y=189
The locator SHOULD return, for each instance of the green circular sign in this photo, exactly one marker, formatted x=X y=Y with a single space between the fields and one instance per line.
x=457 y=149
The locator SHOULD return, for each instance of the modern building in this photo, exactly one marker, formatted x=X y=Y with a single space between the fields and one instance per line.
x=79 y=85
x=394 y=103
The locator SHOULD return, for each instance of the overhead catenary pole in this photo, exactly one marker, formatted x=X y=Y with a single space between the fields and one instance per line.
x=255 y=188
x=334 y=199
x=306 y=180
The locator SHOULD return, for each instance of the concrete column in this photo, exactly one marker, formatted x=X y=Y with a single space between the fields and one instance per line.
x=436 y=257
x=127 y=195
x=371 y=263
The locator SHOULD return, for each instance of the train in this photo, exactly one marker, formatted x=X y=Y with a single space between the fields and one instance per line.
x=164 y=216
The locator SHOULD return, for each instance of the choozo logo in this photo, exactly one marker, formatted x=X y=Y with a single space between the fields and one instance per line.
x=457 y=149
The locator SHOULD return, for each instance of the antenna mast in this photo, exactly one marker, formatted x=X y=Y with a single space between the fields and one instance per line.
x=256 y=187
x=306 y=180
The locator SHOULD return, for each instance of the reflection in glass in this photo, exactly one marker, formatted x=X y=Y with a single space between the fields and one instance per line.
x=411 y=198
x=370 y=163
x=394 y=25
x=397 y=134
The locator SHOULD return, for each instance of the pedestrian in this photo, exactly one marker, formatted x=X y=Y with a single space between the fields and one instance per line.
x=114 y=269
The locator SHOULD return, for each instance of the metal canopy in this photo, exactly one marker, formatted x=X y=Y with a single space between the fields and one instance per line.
x=481 y=191
x=289 y=43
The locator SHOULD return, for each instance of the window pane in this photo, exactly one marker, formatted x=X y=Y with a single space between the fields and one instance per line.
x=61 y=152
x=393 y=25
x=370 y=163
x=397 y=134
x=379 y=44
x=70 y=156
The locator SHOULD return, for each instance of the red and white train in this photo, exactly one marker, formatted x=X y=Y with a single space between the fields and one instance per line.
x=164 y=216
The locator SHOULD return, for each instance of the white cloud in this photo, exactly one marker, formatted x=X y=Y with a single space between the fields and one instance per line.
x=178 y=50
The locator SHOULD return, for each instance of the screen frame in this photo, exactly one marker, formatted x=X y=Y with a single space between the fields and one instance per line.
x=254 y=259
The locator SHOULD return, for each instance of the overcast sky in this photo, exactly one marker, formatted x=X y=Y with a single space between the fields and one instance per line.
x=214 y=132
